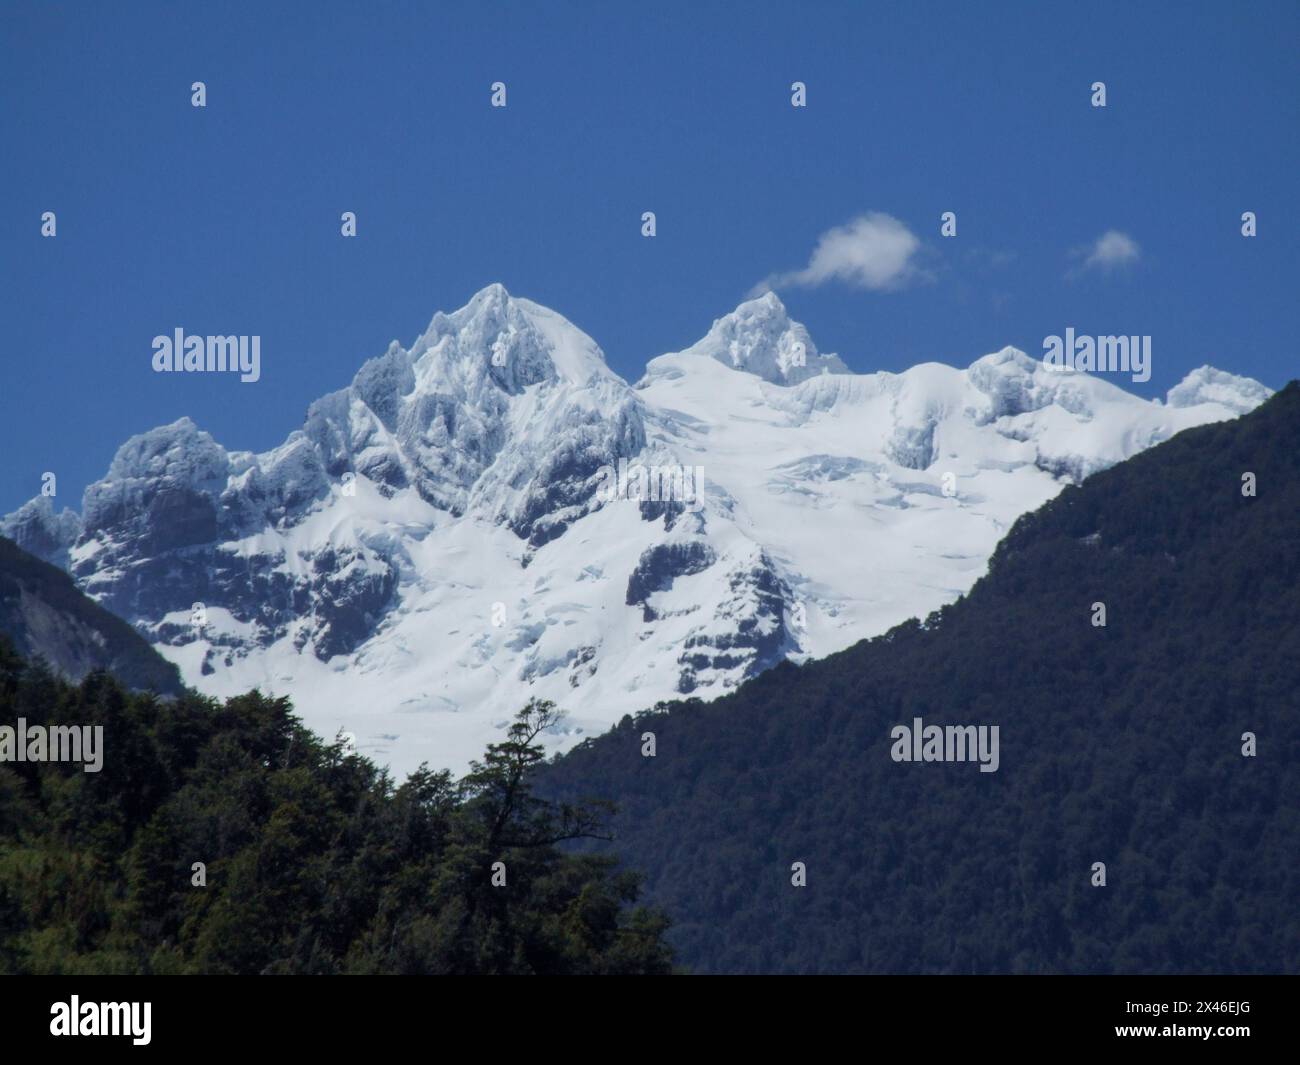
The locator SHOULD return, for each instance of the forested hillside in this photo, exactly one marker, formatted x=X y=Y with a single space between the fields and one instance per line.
x=43 y=613
x=1120 y=744
x=312 y=860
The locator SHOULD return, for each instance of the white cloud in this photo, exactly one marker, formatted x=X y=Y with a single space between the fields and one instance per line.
x=1108 y=252
x=875 y=251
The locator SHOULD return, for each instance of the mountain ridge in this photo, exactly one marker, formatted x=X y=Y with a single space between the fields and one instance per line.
x=444 y=521
x=45 y=616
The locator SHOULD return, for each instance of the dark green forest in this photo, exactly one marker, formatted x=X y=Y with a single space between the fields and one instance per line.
x=315 y=861
x=1120 y=744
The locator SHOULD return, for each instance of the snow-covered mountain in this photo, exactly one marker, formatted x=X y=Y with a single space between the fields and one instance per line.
x=493 y=514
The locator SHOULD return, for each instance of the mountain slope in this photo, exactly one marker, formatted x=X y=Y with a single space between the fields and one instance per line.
x=43 y=613
x=493 y=515
x=1120 y=744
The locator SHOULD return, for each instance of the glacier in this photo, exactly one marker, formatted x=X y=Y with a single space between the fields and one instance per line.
x=433 y=546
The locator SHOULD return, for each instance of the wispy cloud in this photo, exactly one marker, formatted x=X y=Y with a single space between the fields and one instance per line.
x=1106 y=254
x=875 y=251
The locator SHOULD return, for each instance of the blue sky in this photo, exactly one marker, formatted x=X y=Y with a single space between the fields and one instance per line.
x=226 y=219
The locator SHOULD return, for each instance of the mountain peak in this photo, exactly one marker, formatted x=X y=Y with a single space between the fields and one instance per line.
x=510 y=341
x=38 y=528
x=1009 y=358
x=179 y=451
x=767 y=299
x=488 y=299
x=1205 y=384
x=759 y=337
x=494 y=290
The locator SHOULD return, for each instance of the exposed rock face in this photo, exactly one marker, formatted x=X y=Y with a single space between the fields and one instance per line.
x=660 y=564
x=44 y=615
